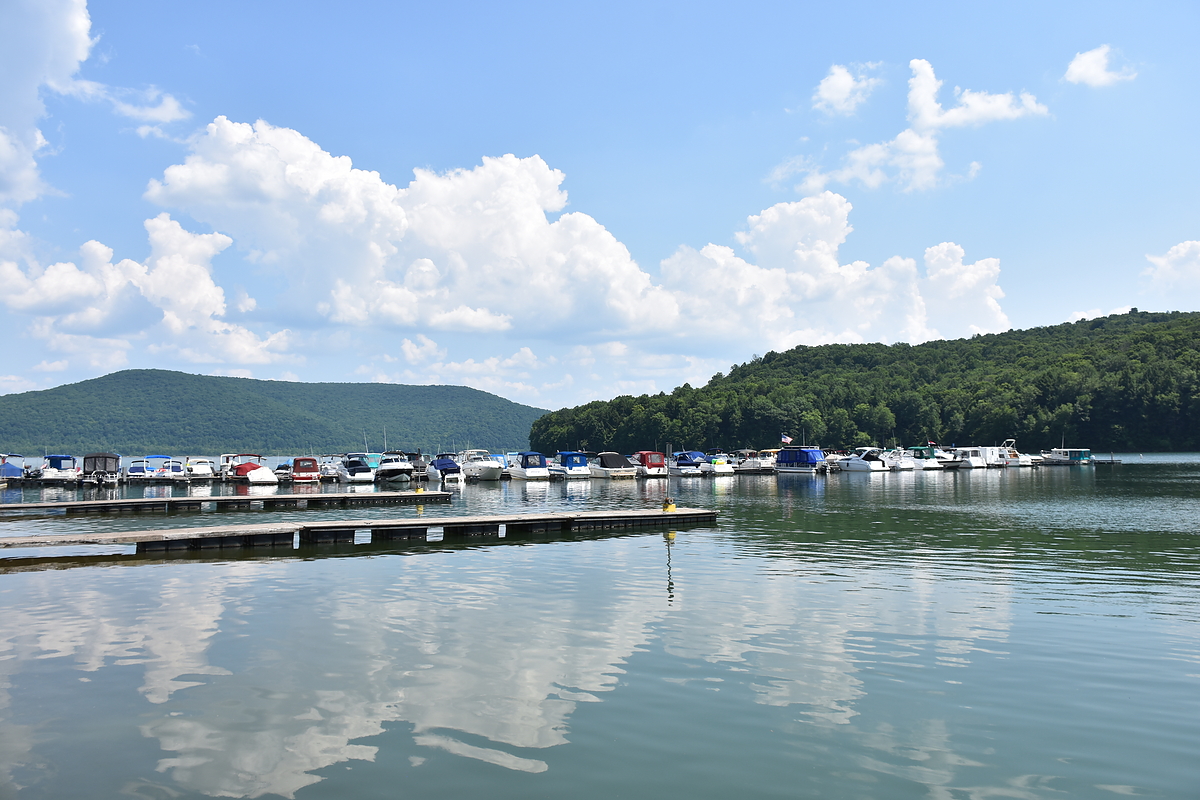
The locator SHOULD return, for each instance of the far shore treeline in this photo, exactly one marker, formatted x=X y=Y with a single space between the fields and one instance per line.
x=1125 y=382
x=148 y=411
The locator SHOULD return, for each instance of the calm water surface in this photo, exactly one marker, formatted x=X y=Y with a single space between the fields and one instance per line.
x=996 y=634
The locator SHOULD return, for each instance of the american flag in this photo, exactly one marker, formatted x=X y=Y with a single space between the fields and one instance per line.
x=786 y=439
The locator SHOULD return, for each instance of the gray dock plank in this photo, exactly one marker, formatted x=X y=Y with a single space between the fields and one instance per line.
x=165 y=504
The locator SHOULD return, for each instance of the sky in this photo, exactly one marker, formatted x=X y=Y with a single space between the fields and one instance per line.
x=560 y=203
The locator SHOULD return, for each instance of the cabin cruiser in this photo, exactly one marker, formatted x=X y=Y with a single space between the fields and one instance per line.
x=528 y=466
x=685 y=464
x=751 y=462
x=329 y=467
x=58 y=470
x=651 y=464
x=479 y=465
x=930 y=450
x=1067 y=456
x=569 y=464
x=355 y=469
x=971 y=457
x=1013 y=457
x=305 y=469
x=394 y=467
x=102 y=469
x=800 y=459
x=923 y=458
x=248 y=467
x=199 y=469
x=612 y=465
x=865 y=459
x=898 y=460
x=716 y=464
x=283 y=470
x=444 y=468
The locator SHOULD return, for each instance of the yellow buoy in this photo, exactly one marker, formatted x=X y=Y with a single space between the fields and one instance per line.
x=668 y=505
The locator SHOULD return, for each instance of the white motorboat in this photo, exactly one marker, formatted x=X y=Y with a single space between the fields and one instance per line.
x=248 y=467
x=569 y=465
x=444 y=469
x=800 y=459
x=329 y=467
x=898 y=460
x=480 y=465
x=355 y=469
x=528 y=466
x=864 y=460
x=1013 y=457
x=612 y=465
x=394 y=467
x=199 y=469
x=924 y=459
x=651 y=464
x=971 y=457
x=752 y=462
x=717 y=464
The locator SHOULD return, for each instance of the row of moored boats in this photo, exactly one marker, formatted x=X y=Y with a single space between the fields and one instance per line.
x=395 y=466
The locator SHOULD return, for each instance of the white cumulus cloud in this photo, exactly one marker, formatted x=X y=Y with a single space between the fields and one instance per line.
x=841 y=91
x=1178 y=268
x=912 y=159
x=1091 y=69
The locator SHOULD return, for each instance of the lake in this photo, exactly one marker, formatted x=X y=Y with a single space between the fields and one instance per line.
x=986 y=634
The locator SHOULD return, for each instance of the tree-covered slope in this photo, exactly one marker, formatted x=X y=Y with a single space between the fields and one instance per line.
x=140 y=411
x=1124 y=382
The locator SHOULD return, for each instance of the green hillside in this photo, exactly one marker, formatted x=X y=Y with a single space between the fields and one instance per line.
x=1124 y=382
x=143 y=411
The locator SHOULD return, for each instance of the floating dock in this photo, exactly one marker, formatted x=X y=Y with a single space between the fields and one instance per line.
x=285 y=534
x=241 y=501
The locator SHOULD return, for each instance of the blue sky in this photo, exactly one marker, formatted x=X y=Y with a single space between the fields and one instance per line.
x=561 y=203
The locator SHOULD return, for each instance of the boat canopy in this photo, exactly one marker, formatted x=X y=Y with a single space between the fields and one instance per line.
x=531 y=459
x=795 y=456
x=101 y=462
x=305 y=464
x=650 y=458
x=614 y=461
x=572 y=458
x=57 y=462
x=10 y=470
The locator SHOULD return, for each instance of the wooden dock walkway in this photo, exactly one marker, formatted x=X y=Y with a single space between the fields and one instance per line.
x=135 y=505
x=284 y=534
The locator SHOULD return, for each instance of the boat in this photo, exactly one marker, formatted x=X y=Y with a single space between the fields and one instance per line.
x=612 y=465
x=353 y=468
x=394 y=467
x=10 y=471
x=930 y=450
x=971 y=457
x=306 y=469
x=479 y=465
x=283 y=470
x=752 y=462
x=199 y=469
x=101 y=469
x=328 y=465
x=1067 y=457
x=444 y=468
x=866 y=459
x=924 y=458
x=1014 y=457
x=528 y=466
x=247 y=467
x=58 y=470
x=716 y=464
x=685 y=464
x=801 y=458
x=569 y=465
x=898 y=460
x=651 y=464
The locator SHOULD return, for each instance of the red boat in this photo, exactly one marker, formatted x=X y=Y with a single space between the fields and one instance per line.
x=650 y=464
x=305 y=469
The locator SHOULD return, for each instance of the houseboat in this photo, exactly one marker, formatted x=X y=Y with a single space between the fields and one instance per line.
x=800 y=459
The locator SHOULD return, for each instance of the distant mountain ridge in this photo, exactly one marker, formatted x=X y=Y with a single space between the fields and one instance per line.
x=1122 y=382
x=139 y=411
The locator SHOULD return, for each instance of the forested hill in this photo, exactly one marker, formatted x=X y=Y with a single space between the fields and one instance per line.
x=1124 y=382
x=135 y=412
